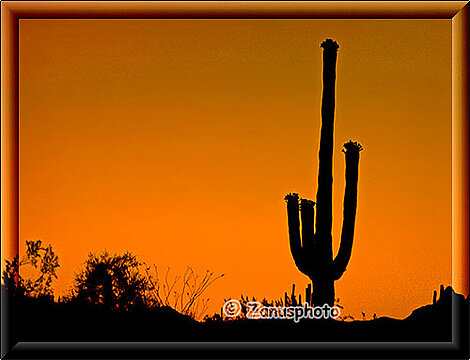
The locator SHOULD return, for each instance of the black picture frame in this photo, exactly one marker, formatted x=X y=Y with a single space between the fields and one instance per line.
x=458 y=12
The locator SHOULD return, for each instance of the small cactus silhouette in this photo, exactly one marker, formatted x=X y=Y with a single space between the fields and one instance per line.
x=308 y=294
x=313 y=250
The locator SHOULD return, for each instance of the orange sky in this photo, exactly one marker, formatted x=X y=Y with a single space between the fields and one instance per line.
x=178 y=139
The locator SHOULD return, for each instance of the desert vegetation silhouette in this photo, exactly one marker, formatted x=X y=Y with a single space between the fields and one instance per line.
x=118 y=298
x=118 y=282
x=313 y=250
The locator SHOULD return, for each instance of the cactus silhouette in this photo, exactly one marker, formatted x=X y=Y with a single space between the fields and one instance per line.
x=313 y=249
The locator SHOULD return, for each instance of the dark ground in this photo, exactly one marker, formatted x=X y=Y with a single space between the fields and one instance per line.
x=35 y=320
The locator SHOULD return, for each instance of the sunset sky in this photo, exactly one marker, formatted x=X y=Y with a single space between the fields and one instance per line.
x=178 y=139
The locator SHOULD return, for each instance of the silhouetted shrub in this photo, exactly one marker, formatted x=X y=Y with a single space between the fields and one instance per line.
x=182 y=293
x=39 y=257
x=113 y=282
x=122 y=282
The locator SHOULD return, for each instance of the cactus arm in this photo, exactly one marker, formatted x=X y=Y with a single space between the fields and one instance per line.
x=307 y=212
x=341 y=261
x=324 y=218
x=293 y=222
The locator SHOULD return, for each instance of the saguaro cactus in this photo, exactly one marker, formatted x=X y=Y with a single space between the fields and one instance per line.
x=313 y=250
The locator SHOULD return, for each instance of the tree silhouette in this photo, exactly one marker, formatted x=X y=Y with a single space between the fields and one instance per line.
x=39 y=257
x=313 y=254
x=125 y=283
x=113 y=282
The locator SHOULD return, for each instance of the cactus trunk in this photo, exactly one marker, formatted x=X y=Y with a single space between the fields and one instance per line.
x=313 y=251
x=324 y=218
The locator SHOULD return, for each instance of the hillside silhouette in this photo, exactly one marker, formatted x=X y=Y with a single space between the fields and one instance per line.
x=42 y=319
x=116 y=298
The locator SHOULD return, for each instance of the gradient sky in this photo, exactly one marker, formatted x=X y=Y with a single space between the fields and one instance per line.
x=178 y=139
